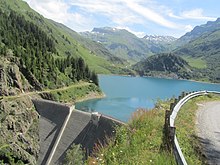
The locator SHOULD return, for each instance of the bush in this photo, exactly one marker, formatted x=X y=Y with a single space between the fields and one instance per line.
x=74 y=155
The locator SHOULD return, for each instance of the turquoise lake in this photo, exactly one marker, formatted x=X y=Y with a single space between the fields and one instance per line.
x=126 y=94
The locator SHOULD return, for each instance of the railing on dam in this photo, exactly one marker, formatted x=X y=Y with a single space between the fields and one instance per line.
x=171 y=139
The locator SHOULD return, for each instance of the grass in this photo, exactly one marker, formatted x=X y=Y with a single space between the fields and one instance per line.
x=140 y=142
x=74 y=93
x=186 y=130
x=196 y=62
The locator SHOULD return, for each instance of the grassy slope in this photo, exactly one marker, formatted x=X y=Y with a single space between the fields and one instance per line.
x=204 y=52
x=186 y=130
x=70 y=94
x=141 y=142
x=65 y=42
x=138 y=143
x=198 y=63
x=74 y=93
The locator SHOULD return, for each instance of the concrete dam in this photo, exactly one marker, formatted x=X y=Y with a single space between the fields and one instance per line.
x=61 y=125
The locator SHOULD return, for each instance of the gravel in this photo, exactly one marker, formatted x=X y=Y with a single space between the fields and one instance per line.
x=208 y=125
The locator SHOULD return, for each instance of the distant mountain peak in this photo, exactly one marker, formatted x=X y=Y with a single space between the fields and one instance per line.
x=159 y=38
x=105 y=30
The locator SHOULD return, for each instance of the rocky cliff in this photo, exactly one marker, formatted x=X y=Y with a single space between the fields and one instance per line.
x=18 y=131
x=11 y=81
x=19 y=138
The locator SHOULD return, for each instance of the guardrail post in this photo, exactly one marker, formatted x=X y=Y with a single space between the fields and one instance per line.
x=175 y=101
x=171 y=107
x=171 y=136
x=167 y=119
x=166 y=130
x=183 y=94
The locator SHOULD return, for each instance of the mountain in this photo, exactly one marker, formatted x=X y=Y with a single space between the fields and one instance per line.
x=158 y=44
x=157 y=39
x=198 y=31
x=203 y=48
x=124 y=44
x=120 y=42
x=94 y=47
x=164 y=65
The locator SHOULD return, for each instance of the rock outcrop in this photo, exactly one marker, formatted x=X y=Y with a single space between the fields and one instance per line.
x=12 y=81
x=19 y=130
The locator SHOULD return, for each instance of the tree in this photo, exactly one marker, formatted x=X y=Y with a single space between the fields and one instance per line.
x=94 y=78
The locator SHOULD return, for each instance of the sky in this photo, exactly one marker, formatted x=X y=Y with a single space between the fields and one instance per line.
x=141 y=17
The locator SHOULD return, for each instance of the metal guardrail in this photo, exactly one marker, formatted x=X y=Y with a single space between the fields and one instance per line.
x=176 y=148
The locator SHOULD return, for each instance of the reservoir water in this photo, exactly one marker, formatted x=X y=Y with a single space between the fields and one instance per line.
x=126 y=94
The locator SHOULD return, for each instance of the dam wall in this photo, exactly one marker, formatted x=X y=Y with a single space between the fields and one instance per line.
x=52 y=116
x=83 y=128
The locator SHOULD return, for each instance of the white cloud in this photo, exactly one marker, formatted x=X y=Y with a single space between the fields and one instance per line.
x=58 y=11
x=114 y=10
x=188 y=28
x=196 y=14
x=150 y=14
x=83 y=15
x=170 y=14
x=123 y=11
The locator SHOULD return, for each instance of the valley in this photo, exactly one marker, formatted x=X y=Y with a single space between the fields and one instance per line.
x=41 y=58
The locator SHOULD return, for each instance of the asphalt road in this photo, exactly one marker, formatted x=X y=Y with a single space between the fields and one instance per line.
x=208 y=124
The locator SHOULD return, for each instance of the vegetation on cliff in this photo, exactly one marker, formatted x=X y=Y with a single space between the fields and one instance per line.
x=34 y=60
x=19 y=142
x=35 y=53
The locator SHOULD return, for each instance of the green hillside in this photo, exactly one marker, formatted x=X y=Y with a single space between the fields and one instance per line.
x=126 y=45
x=36 y=54
x=120 y=42
x=198 y=31
x=66 y=41
x=203 y=52
x=94 y=47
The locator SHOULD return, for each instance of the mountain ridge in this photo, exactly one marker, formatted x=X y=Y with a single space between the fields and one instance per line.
x=198 y=31
x=160 y=38
x=204 y=46
x=125 y=44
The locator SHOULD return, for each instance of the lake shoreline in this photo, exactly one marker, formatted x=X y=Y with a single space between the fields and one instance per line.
x=91 y=96
x=124 y=95
x=158 y=77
